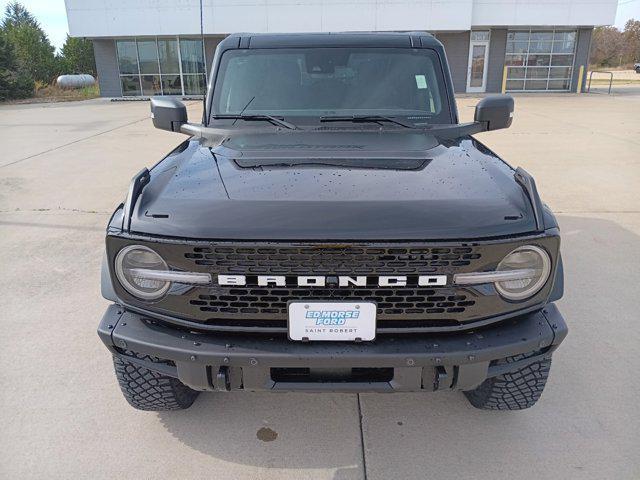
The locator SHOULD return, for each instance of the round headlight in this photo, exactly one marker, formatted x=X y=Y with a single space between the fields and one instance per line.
x=131 y=263
x=526 y=258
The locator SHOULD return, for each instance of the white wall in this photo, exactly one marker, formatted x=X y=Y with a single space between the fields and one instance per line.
x=114 y=18
x=543 y=12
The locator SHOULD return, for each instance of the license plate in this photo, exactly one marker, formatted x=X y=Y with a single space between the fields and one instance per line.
x=332 y=321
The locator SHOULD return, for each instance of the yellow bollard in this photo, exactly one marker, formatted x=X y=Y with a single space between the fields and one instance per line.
x=504 y=79
x=580 y=76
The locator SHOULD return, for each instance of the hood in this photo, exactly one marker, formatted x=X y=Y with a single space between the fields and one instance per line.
x=332 y=184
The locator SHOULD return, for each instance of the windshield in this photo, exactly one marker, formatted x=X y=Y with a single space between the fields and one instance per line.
x=325 y=82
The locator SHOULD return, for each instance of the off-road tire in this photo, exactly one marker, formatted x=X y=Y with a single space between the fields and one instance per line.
x=515 y=390
x=145 y=389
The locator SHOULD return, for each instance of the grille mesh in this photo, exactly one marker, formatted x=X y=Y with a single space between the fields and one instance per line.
x=270 y=303
x=390 y=302
x=338 y=261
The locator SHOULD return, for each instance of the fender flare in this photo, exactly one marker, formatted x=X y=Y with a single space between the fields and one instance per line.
x=106 y=286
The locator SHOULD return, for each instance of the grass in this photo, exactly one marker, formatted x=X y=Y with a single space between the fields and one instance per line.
x=51 y=93
x=54 y=93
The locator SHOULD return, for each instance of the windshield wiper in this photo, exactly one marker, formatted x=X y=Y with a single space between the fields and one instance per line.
x=365 y=119
x=267 y=118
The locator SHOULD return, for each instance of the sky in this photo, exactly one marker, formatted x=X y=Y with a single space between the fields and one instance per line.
x=52 y=16
x=627 y=9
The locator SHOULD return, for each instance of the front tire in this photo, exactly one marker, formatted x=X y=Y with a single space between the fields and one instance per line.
x=515 y=390
x=145 y=389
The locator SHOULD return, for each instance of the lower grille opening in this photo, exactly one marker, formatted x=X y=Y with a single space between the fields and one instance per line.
x=331 y=375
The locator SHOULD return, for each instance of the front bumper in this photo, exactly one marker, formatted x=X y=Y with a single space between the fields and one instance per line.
x=425 y=362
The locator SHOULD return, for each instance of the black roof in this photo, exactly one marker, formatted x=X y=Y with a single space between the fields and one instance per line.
x=331 y=39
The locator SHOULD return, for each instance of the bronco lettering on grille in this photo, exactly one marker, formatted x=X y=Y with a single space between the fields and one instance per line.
x=340 y=281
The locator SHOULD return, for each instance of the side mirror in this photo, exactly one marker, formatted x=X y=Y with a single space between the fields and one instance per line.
x=495 y=111
x=168 y=113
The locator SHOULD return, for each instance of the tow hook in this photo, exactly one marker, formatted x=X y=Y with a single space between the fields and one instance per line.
x=222 y=383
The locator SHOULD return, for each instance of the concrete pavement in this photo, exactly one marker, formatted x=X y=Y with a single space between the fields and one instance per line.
x=63 y=169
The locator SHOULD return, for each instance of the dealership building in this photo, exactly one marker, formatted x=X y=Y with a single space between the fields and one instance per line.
x=153 y=47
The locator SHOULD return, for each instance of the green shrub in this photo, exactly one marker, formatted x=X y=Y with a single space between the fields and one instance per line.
x=13 y=82
x=23 y=86
x=26 y=54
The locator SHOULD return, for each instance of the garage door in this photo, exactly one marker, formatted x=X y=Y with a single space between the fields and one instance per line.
x=539 y=60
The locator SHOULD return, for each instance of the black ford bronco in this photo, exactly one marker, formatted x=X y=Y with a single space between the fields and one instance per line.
x=331 y=226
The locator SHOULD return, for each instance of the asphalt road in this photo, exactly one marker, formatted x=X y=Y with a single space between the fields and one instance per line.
x=64 y=167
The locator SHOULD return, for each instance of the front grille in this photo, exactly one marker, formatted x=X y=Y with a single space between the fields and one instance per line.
x=390 y=301
x=318 y=260
x=251 y=306
x=221 y=304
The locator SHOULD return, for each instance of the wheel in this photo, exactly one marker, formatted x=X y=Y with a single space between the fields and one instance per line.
x=637 y=69
x=148 y=390
x=515 y=390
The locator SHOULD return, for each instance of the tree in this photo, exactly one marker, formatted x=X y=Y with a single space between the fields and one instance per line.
x=13 y=84
x=26 y=54
x=78 y=56
x=606 y=46
x=612 y=48
x=632 y=41
x=16 y=15
x=34 y=53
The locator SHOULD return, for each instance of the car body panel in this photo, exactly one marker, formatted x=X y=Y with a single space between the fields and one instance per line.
x=334 y=186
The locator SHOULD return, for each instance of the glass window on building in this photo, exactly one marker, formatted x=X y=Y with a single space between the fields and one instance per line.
x=539 y=60
x=169 y=66
x=193 y=69
x=149 y=67
x=128 y=65
x=161 y=66
x=127 y=57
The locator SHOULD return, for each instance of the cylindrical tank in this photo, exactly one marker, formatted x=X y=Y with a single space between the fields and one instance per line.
x=75 y=81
